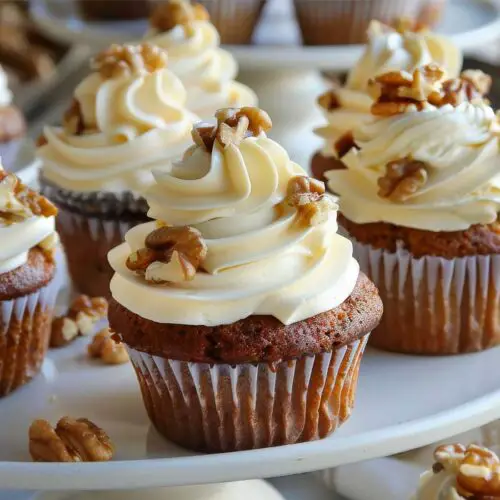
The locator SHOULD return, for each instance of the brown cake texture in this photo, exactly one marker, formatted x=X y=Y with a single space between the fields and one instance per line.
x=109 y=10
x=321 y=164
x=12 y=124
x=254 y=383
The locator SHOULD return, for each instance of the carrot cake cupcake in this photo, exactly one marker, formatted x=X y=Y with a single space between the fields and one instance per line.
x=27 y=285
x=126 y=117
x=403 y=47
x=195 y=56
x=243 y=310
x=420 y=199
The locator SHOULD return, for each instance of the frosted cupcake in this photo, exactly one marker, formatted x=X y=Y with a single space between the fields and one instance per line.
x=12 y=124
x=461 y=473
x=388 y=49
x=195 y=56
x=420 y=199
x=127 y=117
x=241 y=286
x=27 y=285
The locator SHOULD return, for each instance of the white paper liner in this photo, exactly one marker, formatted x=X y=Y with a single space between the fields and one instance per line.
x=27 y=342
x=434 y=305
x=219 y=408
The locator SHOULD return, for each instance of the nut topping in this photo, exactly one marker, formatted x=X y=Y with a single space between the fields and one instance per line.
x=105 y=347
x=168 y=15
x=121 y=60
x=73 y=440
x=329 y=100
x=403 y=178
x=472 y=86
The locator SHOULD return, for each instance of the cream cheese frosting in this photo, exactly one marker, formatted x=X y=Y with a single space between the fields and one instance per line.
x=132 y=122
x=5 y=93
x=259 y=259
x=207 y=71
x=387 y=50
x=459 y=145
x=20 y=229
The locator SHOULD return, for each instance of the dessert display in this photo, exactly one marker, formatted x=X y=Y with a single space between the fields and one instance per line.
x=334 y=22
x=27 y=286
x=461 y=472
x=420 y=200
x=126 y=117
x=195 y=56
x=401 y=47
x=241 y=278
x=111 y=10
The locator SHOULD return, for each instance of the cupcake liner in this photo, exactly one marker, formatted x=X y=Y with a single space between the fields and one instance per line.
x=235 y=20
x=333 y=22
x=434 y=305
x=87 y=241
x=221 y=408
x=25 y=324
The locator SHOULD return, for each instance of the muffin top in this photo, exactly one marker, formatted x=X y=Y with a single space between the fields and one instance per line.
x=461 y=472
x=27 y=220
x=5 y=93
x=126 y=117
x=429 y=158
x=193 y=44
x=240 y=230
x=402 y=47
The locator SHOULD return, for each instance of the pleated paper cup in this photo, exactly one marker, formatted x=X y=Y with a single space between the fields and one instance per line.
x=222 y=408
x=25 y=324
x=334 y=22
x=434 y=305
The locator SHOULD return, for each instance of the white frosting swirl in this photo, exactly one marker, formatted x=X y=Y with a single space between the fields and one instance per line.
x=133 y=123
x=5 y=93
x=462 y=154
x=206 y=70
x=259 y=261
x=440 y=486
x=386 y=50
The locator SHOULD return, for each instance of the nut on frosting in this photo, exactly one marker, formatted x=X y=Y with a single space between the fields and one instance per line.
x=172 y=13
x=402 y=179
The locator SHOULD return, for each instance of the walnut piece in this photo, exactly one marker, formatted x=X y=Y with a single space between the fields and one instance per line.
x=73 y=440
x=106 y=348
x=402 y=179
x=64 y=330
x=73 y=123
x=172 y=13
x=171 y=255
x=308 y=196
x=121 y=60
x=472 y=85
x=329 y=100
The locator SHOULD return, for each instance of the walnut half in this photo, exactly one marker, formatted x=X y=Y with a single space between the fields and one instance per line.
x=107 y=349
x=73 y=440
x=402 y=179
x=167 y=15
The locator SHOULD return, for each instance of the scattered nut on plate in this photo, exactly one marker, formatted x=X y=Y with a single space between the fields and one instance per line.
x=108 y=350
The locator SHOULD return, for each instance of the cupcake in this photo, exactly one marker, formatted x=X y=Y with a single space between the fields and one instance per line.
x=402 y=47
x=195 y=56
x=27 y=285
x=420 y=199
x=114 y=10
x=241 y=286
x=126 y=117
x=460 y=473
x=12 y=124
x=334 y=22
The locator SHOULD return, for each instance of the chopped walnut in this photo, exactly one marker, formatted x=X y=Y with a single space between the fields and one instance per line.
x=73 y=440
x=64 y=330
x=73 y=119
x=120 y=60
x=171 y=255
x=329 y=100
x=172 y=13
x=472 y=85
x=402 y=179
x=308 y=196
x=105 y=347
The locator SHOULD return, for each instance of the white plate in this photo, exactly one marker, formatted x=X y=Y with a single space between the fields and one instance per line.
x=471 y=23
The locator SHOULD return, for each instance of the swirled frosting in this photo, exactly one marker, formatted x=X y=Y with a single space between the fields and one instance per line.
x=440 y=486
x=259 y=260
x=206 y=70
x=5 y=93
x=132 y=123
x=460 y=146
x=387 y=50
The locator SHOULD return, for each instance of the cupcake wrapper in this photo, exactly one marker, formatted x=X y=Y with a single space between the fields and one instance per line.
x=434 y=305
x=332 y=22
x=25 y=325
x=220 y=408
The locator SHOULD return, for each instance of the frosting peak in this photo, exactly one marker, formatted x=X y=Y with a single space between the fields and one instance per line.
x=269 y=232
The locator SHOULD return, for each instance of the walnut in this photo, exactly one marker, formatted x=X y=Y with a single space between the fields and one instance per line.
x=472 y=85
x=258 y=120
x=73 y=119
x=172 y=13
x=204 y=135
x=64 y=330
x=344 y=144
x=73 y=440
x=329 y=100
x=171 y=254
x=120 y=60
x=308 y=196
x=105 y=347
x=402 y=179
